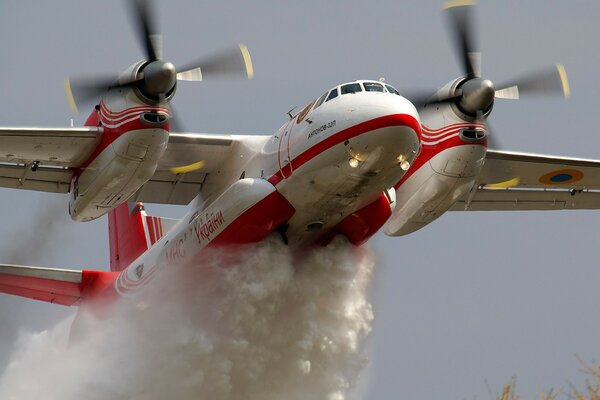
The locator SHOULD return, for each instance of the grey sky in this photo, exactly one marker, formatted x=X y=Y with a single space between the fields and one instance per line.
x=473 y=296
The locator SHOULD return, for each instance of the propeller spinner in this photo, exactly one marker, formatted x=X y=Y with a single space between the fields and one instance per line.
x=155 y=78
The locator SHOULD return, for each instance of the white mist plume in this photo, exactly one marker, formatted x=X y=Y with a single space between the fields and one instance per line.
x=253 y=324
x=30 y=244
x=39 y=236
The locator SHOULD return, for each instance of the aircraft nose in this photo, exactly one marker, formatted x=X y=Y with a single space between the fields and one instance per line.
x=396 y=109
x=408 y=117
x=390 y=141
x=403 y=135
x=398 y=113
x=399 y=105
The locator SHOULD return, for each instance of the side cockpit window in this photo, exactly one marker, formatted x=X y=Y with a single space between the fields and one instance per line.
x=320 y=100
x=351 y=88
x=373 y=87
x=333 y=94
x=392 y=90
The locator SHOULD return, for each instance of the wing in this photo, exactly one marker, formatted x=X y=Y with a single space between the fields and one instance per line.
x=196 y=155
x=59 y=150
x=520 y=181
x=60 y=286
x=56 y=150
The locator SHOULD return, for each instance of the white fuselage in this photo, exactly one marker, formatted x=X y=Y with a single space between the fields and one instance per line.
x=330 y=169
x=336 y=159
x=321 y=165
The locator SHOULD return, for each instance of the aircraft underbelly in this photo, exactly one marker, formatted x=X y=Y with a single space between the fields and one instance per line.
x=344 y=179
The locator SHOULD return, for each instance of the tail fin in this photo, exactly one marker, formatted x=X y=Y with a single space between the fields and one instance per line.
x=131 y=232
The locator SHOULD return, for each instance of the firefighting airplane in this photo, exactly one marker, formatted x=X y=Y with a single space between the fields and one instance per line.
x=358 y=158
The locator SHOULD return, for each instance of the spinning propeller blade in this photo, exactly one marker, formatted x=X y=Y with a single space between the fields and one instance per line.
x=474 y=95
x=551 y=81
x=80 y=90
x=156 y=78
x=230 y=63
x=187 y=168
x=459 y=13
x=142 y=13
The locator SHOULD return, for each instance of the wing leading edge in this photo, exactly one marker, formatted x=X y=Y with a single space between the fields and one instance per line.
x=204 y=154
x=54 y=151
x=521 y=181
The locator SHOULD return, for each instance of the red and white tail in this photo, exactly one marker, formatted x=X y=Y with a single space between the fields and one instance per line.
x=131 y=232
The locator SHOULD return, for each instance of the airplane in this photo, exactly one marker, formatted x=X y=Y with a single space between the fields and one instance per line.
x=359 y=158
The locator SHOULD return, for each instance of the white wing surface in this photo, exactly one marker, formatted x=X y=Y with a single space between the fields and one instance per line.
x=188 y=160
x=521 y=181
x=56 y=150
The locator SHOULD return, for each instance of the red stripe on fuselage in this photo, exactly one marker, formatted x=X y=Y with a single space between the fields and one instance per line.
x=340 y=137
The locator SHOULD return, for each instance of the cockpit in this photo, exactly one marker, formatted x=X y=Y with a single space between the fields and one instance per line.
x=348 y=88
x=355 y=87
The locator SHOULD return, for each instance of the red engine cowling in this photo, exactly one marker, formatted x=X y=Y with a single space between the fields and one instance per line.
x=133 y=140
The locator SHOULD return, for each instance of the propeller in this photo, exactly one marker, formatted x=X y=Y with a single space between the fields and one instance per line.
x=460 y=16
x=156 y=78
x=474 y=95
x=187 y=168
x=142 y=12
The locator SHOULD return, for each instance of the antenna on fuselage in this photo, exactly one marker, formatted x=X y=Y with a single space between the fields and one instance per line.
x=289 y=113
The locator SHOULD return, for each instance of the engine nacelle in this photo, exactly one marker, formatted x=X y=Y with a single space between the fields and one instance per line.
x=434 y=188
x=116 y=173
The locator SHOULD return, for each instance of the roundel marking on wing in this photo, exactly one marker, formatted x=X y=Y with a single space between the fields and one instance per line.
x=561 y=176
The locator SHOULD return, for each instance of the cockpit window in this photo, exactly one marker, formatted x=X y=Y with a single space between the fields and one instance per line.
x=320 y=100
x=332 y=95
x=351 y=88
x=373 y=87
x=392 y=90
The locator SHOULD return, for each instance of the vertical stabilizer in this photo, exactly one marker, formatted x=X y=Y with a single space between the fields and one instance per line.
x=131 y=232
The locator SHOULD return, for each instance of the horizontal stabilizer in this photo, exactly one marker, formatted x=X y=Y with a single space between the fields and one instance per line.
x=53 y=285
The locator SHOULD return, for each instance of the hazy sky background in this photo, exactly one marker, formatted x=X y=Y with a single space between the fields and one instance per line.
x=470 y=298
